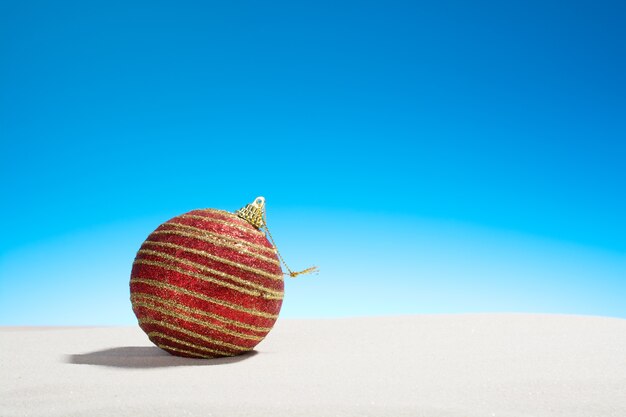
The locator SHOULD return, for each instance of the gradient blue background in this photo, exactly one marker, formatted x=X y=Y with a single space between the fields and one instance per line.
x=430 y=157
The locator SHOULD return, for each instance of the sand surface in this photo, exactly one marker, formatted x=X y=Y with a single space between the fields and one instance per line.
x=441 y=365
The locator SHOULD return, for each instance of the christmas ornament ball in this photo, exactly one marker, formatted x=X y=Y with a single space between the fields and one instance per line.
x=207 y=284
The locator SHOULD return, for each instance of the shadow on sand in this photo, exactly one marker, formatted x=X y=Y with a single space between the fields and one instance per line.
x=146 y=357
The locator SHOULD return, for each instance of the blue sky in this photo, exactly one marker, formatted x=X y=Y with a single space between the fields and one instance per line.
x=431 y=157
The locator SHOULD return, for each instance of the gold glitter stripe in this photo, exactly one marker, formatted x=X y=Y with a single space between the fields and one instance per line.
x=224 y=213
x=195 y=275
x=252 y=230
x=194 y=355
x=205 y=278
x=213 y=273
x=191 y=319
x=192 y=334
x=217 y=211
x=184 y=342
x=218 y=243
x=236 y=241
x=217 y=258
x=221 y=303
x=173 y=304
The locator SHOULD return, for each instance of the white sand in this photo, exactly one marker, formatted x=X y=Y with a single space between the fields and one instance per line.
x=449 y=365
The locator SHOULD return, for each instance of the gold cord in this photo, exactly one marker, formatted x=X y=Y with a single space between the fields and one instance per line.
x=255 y=214
x=292 y=274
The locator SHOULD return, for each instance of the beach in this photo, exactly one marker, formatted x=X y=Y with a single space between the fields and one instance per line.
x=461 y=365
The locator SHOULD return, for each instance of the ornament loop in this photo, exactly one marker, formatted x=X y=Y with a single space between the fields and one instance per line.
x=259 y=202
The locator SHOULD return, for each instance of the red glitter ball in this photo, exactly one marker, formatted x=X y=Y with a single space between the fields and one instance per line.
x=206 y=284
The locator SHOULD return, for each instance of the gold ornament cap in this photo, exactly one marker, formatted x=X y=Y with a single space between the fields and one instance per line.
x=253 y=212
